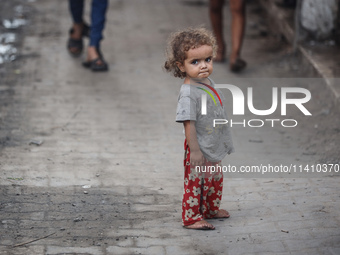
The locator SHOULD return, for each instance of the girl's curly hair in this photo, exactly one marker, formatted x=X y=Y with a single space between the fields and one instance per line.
x=182 y=41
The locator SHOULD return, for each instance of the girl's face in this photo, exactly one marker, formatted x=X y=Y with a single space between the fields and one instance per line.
x=198 y=63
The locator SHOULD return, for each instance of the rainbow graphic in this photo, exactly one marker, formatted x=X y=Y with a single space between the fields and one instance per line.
x=209 y=93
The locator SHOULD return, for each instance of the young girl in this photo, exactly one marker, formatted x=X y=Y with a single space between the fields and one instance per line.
x=189 y=56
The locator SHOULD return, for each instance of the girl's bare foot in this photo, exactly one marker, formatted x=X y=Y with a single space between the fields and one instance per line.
x=201 y=225
x=222 y=214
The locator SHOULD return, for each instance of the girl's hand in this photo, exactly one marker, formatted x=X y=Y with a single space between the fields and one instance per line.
x=196 y=155
x=196 y=158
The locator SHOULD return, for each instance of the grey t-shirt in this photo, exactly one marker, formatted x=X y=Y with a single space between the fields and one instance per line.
x=215 y=142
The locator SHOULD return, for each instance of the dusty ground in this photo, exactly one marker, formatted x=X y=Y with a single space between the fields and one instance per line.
x=101 y=187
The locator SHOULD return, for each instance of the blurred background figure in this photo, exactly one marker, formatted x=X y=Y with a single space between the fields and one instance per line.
x=95 y=60
x=238 y=21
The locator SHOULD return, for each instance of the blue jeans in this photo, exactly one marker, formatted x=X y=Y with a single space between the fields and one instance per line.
x=98 y=12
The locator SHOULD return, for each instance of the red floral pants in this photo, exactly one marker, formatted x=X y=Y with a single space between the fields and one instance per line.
x=202 y=191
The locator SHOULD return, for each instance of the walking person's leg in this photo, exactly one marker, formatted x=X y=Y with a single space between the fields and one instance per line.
x=98 y=17
x=76 y=9
x=79 y=28
x=238 y=13
x=216 y=18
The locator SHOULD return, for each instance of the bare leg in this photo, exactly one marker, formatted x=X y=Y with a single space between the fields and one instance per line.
x=238 y=22
x=216 y=18
x=92 y=54
x=95 y=60
x=77 y=31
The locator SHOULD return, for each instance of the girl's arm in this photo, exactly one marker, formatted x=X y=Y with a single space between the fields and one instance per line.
x=196 y=156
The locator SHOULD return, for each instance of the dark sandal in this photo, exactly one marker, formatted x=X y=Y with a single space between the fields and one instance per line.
x=95 y=67
x=77 y=44
x=238 y=66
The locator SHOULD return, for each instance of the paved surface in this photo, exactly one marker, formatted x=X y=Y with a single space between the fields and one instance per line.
x=318 y=54
x=107 y=178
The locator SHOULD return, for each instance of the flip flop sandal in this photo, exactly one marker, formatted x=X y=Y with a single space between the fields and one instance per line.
x=77 y=43
x=94 y=66
x=238 y=66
